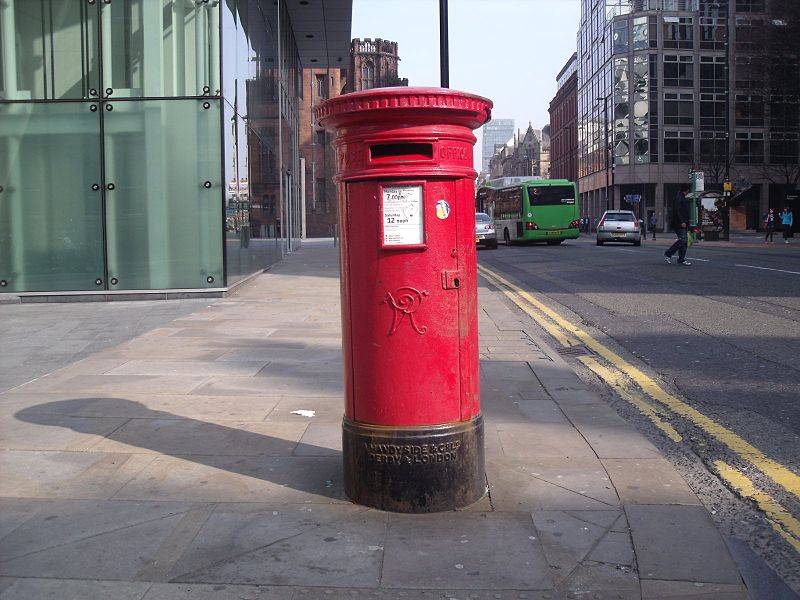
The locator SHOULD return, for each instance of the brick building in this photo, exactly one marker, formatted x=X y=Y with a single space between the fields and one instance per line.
x=563 y=123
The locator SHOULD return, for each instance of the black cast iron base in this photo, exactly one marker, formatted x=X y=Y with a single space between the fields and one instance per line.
x=414 y=469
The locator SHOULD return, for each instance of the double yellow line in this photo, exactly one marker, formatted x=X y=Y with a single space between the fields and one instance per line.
x=634 y=386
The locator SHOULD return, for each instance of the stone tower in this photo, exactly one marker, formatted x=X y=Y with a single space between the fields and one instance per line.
x=373 y=64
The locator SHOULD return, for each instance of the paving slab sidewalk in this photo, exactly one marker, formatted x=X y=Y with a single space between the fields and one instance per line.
x=174 y=466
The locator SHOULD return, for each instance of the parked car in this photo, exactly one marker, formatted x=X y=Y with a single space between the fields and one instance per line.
x=485 y=233
x=619 y=226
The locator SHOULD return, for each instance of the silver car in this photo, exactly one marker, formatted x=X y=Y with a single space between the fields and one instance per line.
x=619 y=226
x=485 y=234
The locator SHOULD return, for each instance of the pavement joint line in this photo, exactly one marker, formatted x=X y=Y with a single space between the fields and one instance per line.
x=780 y=474
x=98 y=534
x=781 y=520
x=618 y=382
x=175 y=544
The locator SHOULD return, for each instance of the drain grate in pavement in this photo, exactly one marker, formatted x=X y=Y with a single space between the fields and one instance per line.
x=574 y=351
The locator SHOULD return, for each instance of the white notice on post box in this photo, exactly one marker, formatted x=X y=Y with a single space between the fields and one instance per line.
x=402 y=216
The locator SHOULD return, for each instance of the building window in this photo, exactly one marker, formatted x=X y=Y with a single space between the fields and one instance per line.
x=713 y=147
x=748 y=75
x=367 y=75
x=669 y=4
x=321 y=86
x=749 y=147
x=712 y=111
x=749 y=111
x=712 y=33
x=784 y=113
x=622 y=151
x=319 y=135
x=679 y=109
x=678 y=32
x=641 y=39
x=653 y=72
x=678 y=147
x=749 y=6
x=713 y=74
x=784 y=150
x=620 y=37
x=749 y=34
x=678 y=71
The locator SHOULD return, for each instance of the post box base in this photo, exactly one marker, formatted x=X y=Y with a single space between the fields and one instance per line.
x=414 y=469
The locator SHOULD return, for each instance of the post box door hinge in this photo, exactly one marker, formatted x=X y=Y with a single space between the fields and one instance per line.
x=452 y=280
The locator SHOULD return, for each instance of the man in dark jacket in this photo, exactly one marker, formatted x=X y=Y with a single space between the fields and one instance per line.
x=681 y=211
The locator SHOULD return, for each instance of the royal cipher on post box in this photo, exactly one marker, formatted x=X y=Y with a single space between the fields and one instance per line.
x=412 y=431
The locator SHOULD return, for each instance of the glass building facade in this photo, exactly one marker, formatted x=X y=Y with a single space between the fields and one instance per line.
x=128 y=129
x=495 y=133
x=669 y=86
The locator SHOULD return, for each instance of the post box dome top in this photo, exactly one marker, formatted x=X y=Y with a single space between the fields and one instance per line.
x=438 y=103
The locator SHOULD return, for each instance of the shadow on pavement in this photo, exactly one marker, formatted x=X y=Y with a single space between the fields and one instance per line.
x=293 y=464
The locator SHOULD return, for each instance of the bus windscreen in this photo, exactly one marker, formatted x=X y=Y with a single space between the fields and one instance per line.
x=551 y=196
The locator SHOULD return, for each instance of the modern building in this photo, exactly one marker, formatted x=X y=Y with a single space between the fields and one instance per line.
x=495 y=135
x=670 y=86
x=563 y=123
x=153 y=145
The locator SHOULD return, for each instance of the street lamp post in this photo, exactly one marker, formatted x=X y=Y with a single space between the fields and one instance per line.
x=444 y=50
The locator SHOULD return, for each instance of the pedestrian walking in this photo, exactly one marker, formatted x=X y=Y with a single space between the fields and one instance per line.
x=769 y=226
x=787 y=221
x=681 y=210
x=653 y=221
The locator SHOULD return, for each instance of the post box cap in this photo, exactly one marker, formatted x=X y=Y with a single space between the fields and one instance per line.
x=437 y=103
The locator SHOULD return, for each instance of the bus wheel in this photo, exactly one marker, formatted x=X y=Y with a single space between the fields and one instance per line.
x=554 y=242
x=506 y=237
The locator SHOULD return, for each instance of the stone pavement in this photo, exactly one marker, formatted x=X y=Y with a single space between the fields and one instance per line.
x=172 y=466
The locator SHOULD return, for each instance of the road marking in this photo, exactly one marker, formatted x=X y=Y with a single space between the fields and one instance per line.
x=776 y=471
x=768 y=269
x=785 y=524
x=619 y=384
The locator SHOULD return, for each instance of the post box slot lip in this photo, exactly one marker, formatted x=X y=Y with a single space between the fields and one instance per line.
x=385 y=152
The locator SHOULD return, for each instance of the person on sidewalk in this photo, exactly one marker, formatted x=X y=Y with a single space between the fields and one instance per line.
x=787 y=220
x=681 y=211
x=652 y=224
x=769 y=226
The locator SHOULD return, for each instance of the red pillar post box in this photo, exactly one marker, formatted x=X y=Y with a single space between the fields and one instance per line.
x=413 y=431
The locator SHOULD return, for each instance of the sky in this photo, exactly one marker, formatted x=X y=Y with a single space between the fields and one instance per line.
x=509 y=51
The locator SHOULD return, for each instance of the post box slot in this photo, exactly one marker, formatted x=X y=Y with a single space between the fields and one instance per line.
x=400 y=152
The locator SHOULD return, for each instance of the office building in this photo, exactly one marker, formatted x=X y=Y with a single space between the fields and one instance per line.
x=495 y=135
x=148 y=146
x=666 y=87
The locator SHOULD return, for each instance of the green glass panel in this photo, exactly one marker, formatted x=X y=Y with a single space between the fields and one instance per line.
x=164 y=226
x=50 y=218
x=160 y=48
x=48 y=49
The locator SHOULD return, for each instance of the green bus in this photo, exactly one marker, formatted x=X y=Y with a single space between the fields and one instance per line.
x=537 y=210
